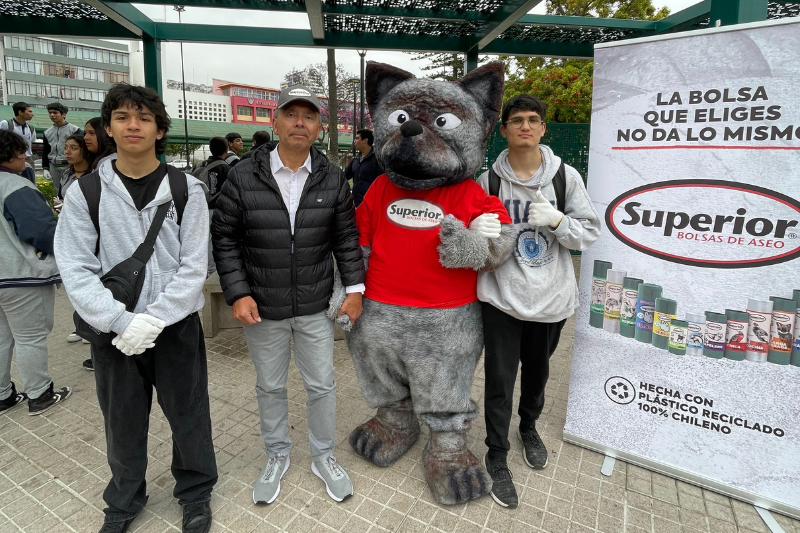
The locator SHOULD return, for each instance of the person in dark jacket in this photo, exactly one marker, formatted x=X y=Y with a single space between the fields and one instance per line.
x=260 y=138
x=279 y=217
x=364 y=168
x=235 y=146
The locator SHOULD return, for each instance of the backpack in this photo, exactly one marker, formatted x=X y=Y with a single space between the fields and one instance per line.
x=559 y=184
x=91 y=188
x=201 y=173
x=11 y=123
x=231 y=158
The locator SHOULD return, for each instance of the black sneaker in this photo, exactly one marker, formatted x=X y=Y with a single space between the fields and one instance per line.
x=88 y=365
x=117 y=527
x=47 y=400
x=12 y=401
x=535 y=451
x=196 y=517
x=503 y=490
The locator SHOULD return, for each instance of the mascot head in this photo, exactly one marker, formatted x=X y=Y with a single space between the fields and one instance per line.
x=431 y=133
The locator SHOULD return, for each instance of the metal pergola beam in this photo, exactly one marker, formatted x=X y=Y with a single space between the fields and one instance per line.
x=588 y=22
x=502 y=19
x=316 y=19
x=540 y=48
x=210 y=33
x=125 y=15
x=54 y=27
x=684 y=18
x=737 y=11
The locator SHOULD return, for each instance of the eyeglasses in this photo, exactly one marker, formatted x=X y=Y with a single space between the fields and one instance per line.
x=517 y=122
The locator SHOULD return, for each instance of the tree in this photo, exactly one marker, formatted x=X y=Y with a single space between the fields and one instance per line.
x=179 y=149
x=565 y=85
x=448 y=67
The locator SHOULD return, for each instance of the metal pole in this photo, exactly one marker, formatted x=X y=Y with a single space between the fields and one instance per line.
x=181 y=9
x=353 y=123
x=362 y=53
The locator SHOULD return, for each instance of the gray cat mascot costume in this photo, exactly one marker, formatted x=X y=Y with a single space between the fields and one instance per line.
x=418 y=341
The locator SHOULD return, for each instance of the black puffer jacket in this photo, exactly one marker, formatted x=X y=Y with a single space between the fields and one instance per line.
x=255 y=252
x=363 y=170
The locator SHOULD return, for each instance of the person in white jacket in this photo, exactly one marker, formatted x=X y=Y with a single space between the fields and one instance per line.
x=527 y=300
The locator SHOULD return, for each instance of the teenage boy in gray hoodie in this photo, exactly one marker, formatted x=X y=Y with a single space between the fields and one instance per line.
x=160 y=344
x=527 y=300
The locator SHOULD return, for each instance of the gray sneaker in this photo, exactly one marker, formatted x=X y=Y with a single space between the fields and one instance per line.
x=337 y=482
x=268 y=484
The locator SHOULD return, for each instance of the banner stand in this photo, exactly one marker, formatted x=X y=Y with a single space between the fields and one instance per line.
x=691 y=477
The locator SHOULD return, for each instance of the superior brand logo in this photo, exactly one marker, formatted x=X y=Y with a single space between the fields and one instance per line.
x=413 y=213
x=708 y=223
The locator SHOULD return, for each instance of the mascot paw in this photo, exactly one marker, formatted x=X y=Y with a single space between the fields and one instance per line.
x=454 y=475
x=381 y=444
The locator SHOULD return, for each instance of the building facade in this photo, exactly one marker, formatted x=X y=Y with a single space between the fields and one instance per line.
x=199 y=105
x=249 y=104
x=75 y=72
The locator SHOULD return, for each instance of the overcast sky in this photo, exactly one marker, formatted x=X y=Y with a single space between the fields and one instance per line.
x=264 y=65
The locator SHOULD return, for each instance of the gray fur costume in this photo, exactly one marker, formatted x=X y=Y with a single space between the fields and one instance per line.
x=419 y=362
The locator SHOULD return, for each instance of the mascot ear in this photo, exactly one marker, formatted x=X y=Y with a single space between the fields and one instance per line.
x=486 y=85
x=381 y=78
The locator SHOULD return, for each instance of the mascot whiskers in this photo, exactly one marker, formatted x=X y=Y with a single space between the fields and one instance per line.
x=426 y=229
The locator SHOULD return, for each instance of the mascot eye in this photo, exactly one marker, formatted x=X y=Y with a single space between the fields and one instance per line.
x=398 y=117
x=448 y=121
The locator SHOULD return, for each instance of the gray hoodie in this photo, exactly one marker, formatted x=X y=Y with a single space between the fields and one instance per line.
x=537 y=283
x=175 y=274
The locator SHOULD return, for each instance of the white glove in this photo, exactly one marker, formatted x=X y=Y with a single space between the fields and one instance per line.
x=142 y=331
x=47 y=175
x=126 y=349
x=542 y=213
x=487 y=225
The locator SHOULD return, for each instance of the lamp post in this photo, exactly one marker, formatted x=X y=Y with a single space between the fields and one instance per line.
x=362 y=53
x=353 y=122
x=181 y=9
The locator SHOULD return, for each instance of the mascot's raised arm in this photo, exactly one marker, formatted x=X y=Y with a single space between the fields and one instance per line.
x=426 y=229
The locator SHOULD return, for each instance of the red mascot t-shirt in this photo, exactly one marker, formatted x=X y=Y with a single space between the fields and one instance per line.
x=402 y=228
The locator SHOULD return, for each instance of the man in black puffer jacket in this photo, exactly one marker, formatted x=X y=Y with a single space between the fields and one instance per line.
x=279 y=217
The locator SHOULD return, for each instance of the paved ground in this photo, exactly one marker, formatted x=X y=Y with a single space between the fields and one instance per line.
x=53 y=467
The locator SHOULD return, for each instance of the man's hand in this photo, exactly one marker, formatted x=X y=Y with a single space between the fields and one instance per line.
x=488 y=225
x=542 y=213
x=351 y=306
x=245 y=311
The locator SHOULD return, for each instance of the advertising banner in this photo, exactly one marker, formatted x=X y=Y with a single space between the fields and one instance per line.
x=687 y=342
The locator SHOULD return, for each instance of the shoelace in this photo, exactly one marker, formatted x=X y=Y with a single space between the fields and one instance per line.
x=334 y=468
x=271 y=464
x=501 y=472
x=533 y=439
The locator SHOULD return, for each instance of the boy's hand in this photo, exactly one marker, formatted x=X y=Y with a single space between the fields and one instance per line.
x=542 y=213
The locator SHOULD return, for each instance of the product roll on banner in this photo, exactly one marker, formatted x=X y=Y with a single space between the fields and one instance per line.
x=598 y=305
x=697 y=328
x=694 y=168
x=614 y=279
x=627 y=313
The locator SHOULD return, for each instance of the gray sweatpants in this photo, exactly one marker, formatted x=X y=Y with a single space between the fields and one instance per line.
x=26 y=319
x=55 y=173
x=269 y=346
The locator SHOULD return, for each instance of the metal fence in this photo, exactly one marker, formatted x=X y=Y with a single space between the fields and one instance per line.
x=568 y=141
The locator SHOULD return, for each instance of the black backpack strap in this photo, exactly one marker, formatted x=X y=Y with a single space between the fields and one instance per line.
x=145 y=250
x=494 y=183
x=179 y=188
x=91 y=188
x=560 y=186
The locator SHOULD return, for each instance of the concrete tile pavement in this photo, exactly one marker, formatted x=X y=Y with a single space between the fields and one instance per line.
x=53 y=467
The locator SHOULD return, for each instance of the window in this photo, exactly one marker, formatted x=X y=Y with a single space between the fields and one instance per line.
x=262 y=112
x=244 y=111
x=52 y=90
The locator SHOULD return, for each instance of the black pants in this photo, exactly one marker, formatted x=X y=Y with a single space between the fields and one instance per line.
x=509 y=342
x=178 y=370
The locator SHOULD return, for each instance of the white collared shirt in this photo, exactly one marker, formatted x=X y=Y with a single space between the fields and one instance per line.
x=291 y=185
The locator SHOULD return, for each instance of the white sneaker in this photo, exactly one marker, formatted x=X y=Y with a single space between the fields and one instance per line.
x=73 y=337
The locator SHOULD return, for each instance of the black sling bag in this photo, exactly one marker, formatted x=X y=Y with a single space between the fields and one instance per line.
x=125 y=280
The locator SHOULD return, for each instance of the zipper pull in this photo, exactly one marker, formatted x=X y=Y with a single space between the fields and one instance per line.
x=292 y=246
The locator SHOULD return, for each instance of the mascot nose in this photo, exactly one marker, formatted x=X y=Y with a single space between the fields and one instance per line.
x=411 y=128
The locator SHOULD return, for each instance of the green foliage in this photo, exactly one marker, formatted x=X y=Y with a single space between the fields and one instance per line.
x=179 y=149
x=565 y=86
x=443 y=66
x=48 y=190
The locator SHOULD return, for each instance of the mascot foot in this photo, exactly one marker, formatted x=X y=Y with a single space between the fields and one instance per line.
x=383 y=439
x=452 y=472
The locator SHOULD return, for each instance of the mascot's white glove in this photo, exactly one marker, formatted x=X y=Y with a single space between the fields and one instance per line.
x=47 y=175
x=487 y=225
x=140 y=334
x=542 y=213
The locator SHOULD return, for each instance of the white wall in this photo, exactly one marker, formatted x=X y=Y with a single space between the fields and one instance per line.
x=205 y=105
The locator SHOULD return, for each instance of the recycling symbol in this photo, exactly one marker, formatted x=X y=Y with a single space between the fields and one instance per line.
x=620 y=390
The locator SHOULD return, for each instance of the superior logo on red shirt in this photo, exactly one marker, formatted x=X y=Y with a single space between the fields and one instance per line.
x=413 y=213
